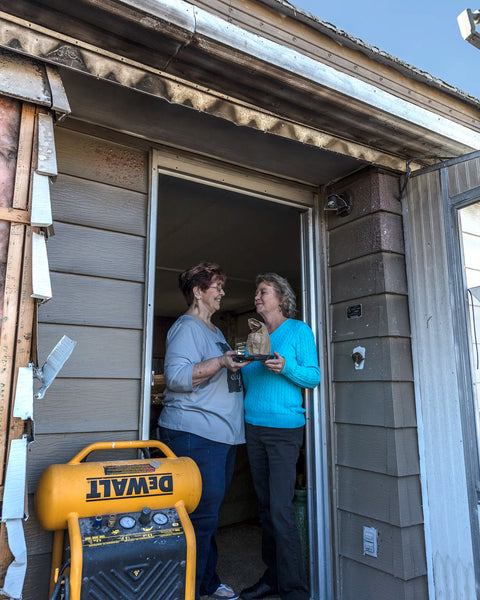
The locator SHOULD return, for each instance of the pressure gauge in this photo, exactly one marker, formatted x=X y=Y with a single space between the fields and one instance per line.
x=160 y=518
x=127 y=522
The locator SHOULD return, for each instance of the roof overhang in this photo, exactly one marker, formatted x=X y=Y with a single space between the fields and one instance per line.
x=193 y=58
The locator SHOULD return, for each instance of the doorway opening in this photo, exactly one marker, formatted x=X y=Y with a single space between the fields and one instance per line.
x=246 y=235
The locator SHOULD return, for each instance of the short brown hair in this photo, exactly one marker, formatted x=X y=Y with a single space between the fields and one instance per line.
x=201 y=276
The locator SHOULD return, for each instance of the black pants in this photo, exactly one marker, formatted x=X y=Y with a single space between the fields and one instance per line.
x=273 y=455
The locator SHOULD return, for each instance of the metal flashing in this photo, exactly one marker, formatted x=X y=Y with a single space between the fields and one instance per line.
x=323 y=106
x=58 y=49
x=212 y=27
x=26 y=79
x=218 y=35
x=351 y=41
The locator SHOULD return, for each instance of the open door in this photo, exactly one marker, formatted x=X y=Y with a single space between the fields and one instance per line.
x=249 y=225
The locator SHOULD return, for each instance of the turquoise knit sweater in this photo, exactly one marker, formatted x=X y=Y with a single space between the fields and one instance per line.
x=275 y=400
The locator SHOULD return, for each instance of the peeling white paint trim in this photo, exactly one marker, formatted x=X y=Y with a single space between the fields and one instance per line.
x=199 y=22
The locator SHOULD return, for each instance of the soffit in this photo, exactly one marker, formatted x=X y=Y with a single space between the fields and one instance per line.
x=340 y=123
x=151 y=118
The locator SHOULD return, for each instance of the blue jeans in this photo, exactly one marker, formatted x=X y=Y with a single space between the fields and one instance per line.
x=215 y=461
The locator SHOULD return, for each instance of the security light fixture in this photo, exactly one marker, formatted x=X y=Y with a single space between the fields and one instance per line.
x=467 y=22
x=340 y=204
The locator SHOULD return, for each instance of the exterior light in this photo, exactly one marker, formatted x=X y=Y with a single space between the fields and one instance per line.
x=467 y=22
x=340 y=204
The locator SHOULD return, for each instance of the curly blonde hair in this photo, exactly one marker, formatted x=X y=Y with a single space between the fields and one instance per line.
x=284 y=291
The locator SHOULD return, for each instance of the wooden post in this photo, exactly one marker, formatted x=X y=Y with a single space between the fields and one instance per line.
x=18 y=306
x=13 y=276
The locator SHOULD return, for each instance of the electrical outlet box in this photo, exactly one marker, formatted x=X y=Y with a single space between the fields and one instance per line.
x=370 y=541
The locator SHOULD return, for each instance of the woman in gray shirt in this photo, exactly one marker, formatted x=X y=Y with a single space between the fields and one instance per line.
x=203 y=411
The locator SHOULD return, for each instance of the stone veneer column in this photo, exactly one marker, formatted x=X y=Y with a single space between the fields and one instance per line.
x=374 y=435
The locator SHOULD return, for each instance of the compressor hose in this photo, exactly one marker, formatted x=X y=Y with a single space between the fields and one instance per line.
x=58 y=586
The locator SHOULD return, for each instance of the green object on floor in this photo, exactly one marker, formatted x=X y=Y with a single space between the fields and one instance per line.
x=301 y=513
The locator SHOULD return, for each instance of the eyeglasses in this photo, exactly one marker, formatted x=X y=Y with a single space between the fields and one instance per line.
x=219 y=287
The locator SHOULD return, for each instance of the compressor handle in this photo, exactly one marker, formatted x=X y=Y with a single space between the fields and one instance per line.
x=121 y=446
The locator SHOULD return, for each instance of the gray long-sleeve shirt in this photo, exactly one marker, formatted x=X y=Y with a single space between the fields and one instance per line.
x=212 y=409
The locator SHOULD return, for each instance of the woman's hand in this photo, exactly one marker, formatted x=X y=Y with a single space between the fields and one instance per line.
x=207 y=368
x=275 y=365
x=227 y=361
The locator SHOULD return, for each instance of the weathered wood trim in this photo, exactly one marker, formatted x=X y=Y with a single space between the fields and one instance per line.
x=24 y=331
x=24 y=156
x=14 y=215
x=18 y=307
x=13 y=275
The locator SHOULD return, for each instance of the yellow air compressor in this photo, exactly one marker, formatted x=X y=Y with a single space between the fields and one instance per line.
x=129 y=534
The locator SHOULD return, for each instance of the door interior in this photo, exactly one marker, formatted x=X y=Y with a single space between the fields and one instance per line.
x=246 y=236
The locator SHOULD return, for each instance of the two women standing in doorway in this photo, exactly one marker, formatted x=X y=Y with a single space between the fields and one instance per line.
x=203 y=418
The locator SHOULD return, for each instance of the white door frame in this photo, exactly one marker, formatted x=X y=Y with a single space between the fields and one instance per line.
x=452 y=207
x=185 y=165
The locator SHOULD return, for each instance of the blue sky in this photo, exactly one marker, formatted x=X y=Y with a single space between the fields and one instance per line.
x=423 y=33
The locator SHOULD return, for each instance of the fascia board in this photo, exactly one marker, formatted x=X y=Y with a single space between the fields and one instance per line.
x=202 y=24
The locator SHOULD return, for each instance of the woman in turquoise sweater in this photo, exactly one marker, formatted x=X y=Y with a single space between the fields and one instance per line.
x=274 y=429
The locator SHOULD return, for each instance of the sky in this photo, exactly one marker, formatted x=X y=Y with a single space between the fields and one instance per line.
x=423 y=33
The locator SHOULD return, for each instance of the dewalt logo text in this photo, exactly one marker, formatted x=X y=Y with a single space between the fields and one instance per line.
x=111 y=488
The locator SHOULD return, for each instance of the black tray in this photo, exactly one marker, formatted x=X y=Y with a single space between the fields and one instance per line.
x=251 y=357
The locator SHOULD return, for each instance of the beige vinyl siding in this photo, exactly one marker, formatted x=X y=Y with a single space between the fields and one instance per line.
x=97 y=266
